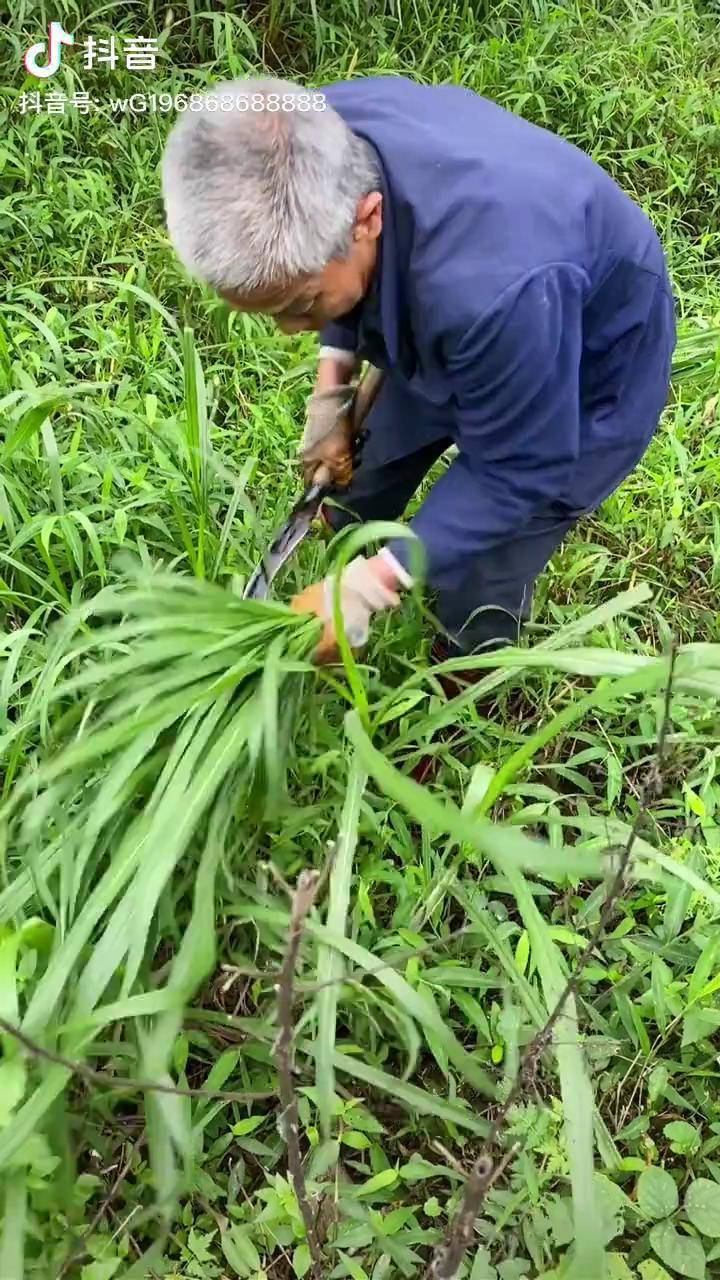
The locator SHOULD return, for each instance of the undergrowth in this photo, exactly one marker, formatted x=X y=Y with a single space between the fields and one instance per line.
x=146 y=437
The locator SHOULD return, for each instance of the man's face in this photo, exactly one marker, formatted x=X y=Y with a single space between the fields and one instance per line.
x=310 y=302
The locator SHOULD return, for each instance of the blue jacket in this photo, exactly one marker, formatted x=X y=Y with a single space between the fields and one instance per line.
x=520 y=290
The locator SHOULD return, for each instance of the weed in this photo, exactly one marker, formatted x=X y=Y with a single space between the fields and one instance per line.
x=145 y=725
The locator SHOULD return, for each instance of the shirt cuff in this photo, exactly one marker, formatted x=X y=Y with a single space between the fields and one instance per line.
x=337 y=353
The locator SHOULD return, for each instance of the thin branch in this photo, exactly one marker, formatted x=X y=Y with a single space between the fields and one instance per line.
x=446 y=1263
x=382 y=966
x=397 y=965
x=108 y=1081
x=651 y=790
x=78 y=1248
x=104 y=1079
x=449 y=1255
x=302 y=901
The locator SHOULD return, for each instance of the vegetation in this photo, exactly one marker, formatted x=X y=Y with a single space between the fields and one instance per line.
x=173 y=767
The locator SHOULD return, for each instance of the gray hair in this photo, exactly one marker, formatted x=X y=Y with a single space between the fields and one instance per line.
x=255 y=198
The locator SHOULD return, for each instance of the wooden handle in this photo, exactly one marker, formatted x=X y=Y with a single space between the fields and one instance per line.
x=366 y=395
x=363 y=401
x=322 y=477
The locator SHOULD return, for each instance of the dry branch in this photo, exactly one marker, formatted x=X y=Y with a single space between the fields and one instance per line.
x=108 y=1081
x=301 y=903
x=78 y=1248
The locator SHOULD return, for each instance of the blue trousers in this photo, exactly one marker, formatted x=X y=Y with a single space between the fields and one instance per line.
x=494 y=597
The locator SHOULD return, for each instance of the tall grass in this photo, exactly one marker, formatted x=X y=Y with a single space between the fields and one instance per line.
x=169 y=754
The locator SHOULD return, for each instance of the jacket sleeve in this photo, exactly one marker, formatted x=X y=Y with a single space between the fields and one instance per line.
x=342 y=333
x=515 y=378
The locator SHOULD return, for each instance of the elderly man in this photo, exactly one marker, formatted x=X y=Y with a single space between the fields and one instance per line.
x=517 y=299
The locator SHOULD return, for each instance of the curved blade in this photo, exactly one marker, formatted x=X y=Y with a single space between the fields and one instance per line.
x=285 y=543
x=289 y=537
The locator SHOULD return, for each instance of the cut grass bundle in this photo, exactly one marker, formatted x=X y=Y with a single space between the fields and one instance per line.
x=158 y=727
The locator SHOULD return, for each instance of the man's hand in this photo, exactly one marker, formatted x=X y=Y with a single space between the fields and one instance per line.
x=328 y=436
x=366 y=587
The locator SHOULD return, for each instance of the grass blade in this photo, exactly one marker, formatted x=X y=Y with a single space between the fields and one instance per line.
x=330 y=963
x=12 y=1244
x=508 y=848
x=575 y=1089
x=419 y=1101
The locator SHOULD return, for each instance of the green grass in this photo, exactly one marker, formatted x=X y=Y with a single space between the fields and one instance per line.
x=146 y=436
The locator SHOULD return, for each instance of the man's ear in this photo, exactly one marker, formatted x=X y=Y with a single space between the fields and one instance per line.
x=368 y=219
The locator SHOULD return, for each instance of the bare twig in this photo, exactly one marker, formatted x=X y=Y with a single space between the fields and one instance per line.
x=448 y=1157
x=105 y=1079
x=397 y=965
x=485 y=1171
x=302 y=901
x=651 y=790
x=446 y=1263
x=108 y=1081
x=235 y=972
x=78 y=1248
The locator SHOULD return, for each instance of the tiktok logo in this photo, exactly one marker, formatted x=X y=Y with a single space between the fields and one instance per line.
x=56 y=38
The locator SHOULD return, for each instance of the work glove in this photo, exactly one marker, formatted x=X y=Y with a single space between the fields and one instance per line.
x=328 y=435
x=364 y=590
